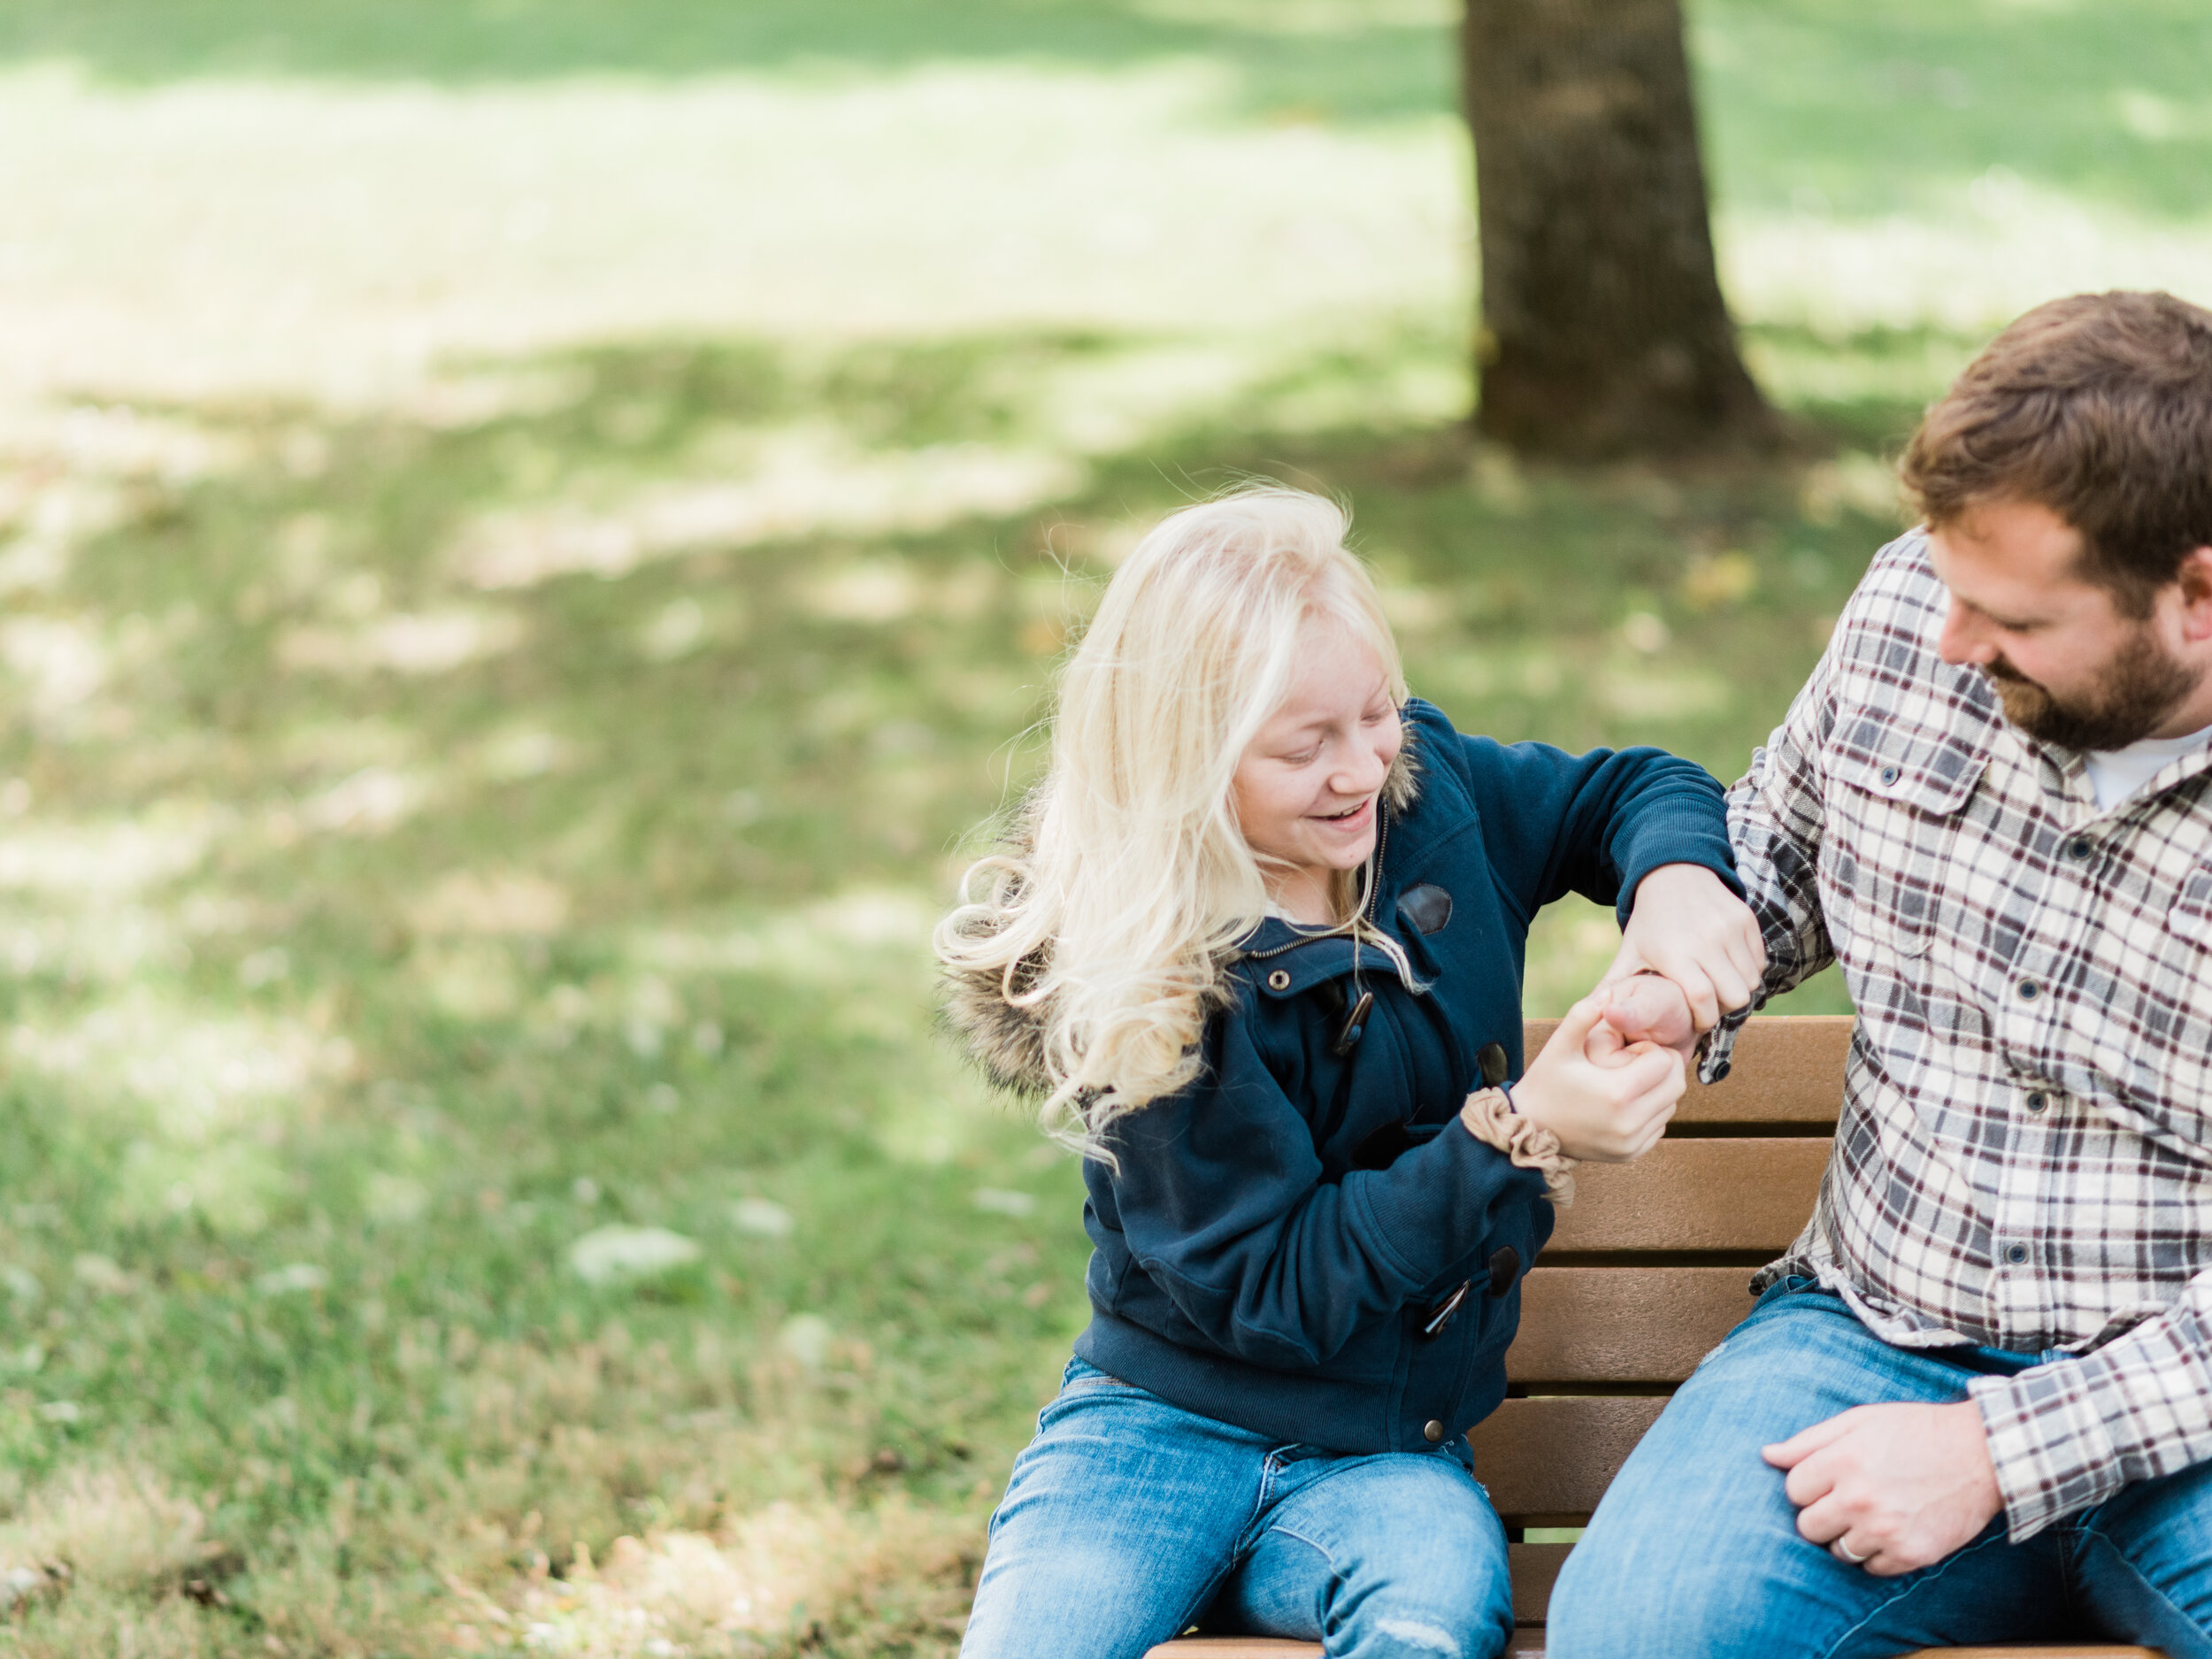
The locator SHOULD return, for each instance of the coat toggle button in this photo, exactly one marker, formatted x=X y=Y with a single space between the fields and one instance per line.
x=1355 y=1026
x=1505 y=1267
x=1493 y=1064
x=1440 y=1315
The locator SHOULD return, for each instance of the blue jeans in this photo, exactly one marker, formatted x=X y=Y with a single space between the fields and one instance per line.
x=1128 y=1519
x=1694 y=1549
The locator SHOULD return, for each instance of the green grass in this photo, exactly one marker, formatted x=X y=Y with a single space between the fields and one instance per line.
x=386 y=986
x=1856 y=106
x=443 y=821
x=1860 y=110
x=1340 y=59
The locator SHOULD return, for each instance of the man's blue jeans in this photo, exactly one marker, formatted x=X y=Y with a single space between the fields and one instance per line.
x=1696 y=1550
x=1127 y=1520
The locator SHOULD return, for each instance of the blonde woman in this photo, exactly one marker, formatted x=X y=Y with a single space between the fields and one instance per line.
x=1257 y=945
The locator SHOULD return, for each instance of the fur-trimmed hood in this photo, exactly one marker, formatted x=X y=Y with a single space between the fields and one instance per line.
x=1007 y=1041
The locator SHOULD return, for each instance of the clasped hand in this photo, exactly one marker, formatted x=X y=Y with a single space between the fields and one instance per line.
x=1608 y=1098
x=1612 y=1074
x=1688 y=926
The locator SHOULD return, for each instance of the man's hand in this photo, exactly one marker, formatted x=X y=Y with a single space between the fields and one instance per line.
x=1687 y=925
x=1891 y=1488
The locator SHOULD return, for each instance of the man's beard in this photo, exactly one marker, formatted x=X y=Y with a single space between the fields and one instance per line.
x=2124 y=704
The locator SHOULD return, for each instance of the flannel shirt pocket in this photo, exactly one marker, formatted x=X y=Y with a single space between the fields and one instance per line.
x=1904 y=792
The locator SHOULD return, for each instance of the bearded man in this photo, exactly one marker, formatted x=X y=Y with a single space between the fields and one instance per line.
x=1973 y=1404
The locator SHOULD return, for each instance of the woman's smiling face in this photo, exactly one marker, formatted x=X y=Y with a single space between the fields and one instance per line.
x=1307 y=789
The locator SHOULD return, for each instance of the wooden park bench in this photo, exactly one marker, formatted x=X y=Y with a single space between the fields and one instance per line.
x=1648 y=1270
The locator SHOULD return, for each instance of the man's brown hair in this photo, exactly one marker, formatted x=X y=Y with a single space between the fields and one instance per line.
x=2098 y=407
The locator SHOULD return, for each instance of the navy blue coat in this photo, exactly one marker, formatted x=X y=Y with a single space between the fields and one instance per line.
x=1282 y=1241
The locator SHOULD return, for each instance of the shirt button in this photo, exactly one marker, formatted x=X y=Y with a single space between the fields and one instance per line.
x=1890 y=774
x=2037 y=1101
x=2028 y=990
x=2015 y=1254
x=1433 y=1431
x=2080 y=846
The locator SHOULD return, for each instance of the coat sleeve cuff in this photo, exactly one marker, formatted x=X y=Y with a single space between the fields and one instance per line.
x=2048 y=1443
x=1707 y=846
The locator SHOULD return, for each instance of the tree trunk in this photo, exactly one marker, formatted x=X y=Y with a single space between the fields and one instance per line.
x=1603 y=330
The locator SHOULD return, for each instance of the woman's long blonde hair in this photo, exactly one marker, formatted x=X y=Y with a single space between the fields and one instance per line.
x=1113 y=925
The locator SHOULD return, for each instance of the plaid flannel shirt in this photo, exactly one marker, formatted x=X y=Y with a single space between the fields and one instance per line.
x=2024 y=1155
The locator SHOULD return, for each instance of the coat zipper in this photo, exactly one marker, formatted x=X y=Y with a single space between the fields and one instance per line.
x=1367 y=910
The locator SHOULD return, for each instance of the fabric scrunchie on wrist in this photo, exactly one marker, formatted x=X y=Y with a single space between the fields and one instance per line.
x=1489 y=1117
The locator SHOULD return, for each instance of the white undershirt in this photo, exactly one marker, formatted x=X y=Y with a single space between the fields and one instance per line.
x=2117 y=774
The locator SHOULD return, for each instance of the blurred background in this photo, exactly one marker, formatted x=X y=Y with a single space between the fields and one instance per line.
x=531 y=532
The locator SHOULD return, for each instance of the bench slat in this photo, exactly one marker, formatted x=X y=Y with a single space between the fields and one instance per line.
x=1623 y=1324
x=1553 y=1456
x=1782 y=1070
x=1748 y=1194
x=1535 y=1570
x=1526 y=1644
x=1785 y=1071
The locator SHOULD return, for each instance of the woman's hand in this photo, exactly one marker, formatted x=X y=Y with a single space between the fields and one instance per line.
x=1687 y=925
x=1609 y=1110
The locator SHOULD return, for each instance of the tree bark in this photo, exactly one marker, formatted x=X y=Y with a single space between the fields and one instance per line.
x=1603 y=330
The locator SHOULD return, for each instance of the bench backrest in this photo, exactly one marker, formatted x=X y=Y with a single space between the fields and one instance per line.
x=1648 y=1269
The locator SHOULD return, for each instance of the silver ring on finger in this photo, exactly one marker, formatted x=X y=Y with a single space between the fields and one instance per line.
x=1845 y=1551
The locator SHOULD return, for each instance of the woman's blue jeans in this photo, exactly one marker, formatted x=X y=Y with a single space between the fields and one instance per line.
x=1128 y=1520
x=1696 y=1550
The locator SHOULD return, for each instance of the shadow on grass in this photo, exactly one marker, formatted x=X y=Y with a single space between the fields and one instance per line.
x=1863 y=389
x=562 y=531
